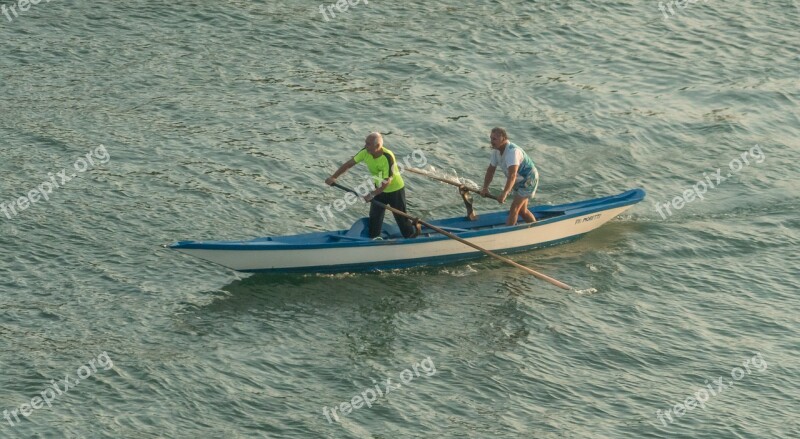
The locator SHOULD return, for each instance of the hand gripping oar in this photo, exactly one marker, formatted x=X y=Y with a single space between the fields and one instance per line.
x=462 y=240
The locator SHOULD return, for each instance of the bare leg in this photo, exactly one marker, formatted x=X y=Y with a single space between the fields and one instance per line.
x=519 y=207
x=513 y=213
x=526 y=214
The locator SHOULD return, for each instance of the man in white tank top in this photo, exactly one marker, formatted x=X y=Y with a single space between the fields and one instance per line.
x=521 y=176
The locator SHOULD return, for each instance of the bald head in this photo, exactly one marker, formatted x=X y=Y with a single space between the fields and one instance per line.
x=374 y=140
x=374 y=144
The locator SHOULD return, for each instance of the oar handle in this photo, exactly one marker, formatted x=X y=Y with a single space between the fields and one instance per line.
x=347 y=189
x=463 y=241
x=494 y=197
x=376 y=202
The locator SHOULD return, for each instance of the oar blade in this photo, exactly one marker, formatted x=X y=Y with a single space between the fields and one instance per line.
x=471 y=215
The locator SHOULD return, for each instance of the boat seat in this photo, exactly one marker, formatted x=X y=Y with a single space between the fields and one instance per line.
x=337 y=237
x=542 y=214
x=360 y=229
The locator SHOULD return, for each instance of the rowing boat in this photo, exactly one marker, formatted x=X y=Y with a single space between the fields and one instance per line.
x=352 y=250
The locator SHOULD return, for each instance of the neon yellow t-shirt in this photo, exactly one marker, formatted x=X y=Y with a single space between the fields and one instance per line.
x=381 y=168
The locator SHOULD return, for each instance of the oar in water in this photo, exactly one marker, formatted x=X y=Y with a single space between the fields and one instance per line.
x=462 y=240
x=462 y=189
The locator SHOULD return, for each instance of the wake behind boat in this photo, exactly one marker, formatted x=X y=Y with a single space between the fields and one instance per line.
x=352 y=251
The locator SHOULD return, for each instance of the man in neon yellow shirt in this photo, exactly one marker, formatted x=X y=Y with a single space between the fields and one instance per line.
x=389 y=186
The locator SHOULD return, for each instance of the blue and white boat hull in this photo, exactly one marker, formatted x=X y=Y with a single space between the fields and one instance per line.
x=350 y=250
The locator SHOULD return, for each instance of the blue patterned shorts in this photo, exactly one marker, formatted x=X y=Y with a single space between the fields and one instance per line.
x=527 y=188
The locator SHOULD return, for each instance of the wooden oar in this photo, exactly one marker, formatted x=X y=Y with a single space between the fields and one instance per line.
x=463 y=190
x=448 y=181
x=463 y=241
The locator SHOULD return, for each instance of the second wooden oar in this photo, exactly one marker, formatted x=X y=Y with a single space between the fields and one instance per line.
x=463 y=190
x=448 y=181
x=463 y=241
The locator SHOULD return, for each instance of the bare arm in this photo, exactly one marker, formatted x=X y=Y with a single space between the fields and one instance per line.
x=342 y=169
x=512 y=177
x=487 y=180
